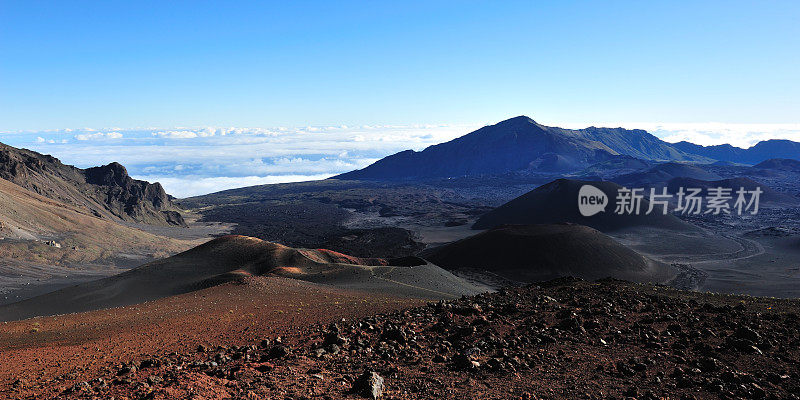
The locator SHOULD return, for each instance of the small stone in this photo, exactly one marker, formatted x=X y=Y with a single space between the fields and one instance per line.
x=334 y=349
x=265 y=367
x=464 y=361
x=747 y=334
x=758 y=392
x=334 y=338
x=369 y=385
x=279 y=351
x=396 y=335
x=126 y=369
x=150 y=363
x=709 y=364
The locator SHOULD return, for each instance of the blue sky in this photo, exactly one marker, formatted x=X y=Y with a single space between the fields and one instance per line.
x=424 y=71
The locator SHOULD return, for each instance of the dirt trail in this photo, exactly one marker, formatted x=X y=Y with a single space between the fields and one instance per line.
x=748 y=249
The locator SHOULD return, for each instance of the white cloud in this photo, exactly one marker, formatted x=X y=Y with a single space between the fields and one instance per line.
x=234 y=157
x=177 y=134
x=98 y=135
x=216 y=158
x=193 y=186
x=89 y=136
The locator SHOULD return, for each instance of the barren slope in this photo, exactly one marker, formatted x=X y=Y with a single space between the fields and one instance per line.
x=45 y=355
x=232 y=258
x=530 y=253
x=106 y=191
x=28 y=219
x=563 y=340
x=557 y=202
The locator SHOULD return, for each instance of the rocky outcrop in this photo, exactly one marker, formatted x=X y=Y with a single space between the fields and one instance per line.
x=128 y=198
x=107 y=191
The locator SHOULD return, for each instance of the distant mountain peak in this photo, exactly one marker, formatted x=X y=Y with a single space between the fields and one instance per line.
x=511 y=125
x=520 y=144
x=518 y=119
x=761 y=151
x=113 y=173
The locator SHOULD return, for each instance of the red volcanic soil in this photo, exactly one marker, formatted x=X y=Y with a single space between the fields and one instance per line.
x=42 y=356
x=565 y=339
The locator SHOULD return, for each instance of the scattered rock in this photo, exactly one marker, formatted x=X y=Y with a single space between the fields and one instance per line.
x=645 y=346
x=279 y=351
x=369 y=385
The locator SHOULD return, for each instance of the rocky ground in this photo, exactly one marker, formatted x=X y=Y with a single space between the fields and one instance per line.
x=562 y=339
x=41 y=357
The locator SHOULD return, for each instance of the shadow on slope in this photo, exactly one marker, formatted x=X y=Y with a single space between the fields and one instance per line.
x=780 y=164
x=557 y=202
x=661 y=173
x=531 y=253
x=107 y=191
x=76 y=238
x=768 y=195
x=233 y=258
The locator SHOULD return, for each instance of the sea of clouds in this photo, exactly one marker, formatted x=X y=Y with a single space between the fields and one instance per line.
x=194 y=161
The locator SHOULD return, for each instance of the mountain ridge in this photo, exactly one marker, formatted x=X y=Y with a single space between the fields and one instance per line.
x=520 y=144
x=105 y=191
x=761 y=151
x=38 y=229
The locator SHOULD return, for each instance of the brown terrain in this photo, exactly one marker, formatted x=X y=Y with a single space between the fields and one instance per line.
x=106 y=191
x=279 y=338
x=42 y=356
x=232 y=259
x=61 y=225
x=35 y=217
x=501 y=314
x=46 y=244
x=30 y=220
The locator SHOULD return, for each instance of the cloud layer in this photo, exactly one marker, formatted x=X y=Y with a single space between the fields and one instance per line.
x=191 y=161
